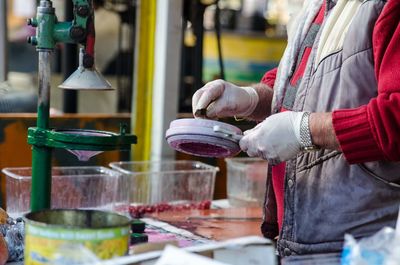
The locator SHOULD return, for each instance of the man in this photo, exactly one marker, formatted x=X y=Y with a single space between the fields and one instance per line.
x=330 y=126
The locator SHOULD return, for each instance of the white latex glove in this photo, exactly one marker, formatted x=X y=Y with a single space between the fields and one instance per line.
x=223 y=99
x=276 y=139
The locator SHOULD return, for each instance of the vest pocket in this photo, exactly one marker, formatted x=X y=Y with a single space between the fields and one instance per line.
x=309 y=160
x=383 y=171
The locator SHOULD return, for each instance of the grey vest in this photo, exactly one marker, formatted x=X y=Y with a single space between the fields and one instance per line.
x=325 y=197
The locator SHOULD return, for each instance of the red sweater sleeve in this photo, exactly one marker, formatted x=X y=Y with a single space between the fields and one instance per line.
x=269 y=77
x=371 y=132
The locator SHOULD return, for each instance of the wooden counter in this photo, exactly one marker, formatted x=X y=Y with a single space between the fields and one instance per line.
x=216 y=224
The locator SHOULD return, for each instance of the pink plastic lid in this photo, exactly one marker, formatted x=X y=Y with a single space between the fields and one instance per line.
x=199 y=137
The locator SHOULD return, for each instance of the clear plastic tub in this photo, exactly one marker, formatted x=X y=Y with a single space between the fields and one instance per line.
x=246 y=179
x=167 y=185
x=72 y=187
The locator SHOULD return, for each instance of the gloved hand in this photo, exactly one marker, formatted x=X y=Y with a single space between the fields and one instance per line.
x=276 y=139
x=223 y=99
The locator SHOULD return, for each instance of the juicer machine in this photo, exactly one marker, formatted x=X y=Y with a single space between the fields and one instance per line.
x=82 y=143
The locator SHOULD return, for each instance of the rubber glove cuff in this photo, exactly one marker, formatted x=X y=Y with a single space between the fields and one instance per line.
x=253 y=102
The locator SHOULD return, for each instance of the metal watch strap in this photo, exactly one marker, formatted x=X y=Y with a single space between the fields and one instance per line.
x=305 y=134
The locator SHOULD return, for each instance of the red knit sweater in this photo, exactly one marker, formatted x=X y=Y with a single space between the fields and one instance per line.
x=371 y=132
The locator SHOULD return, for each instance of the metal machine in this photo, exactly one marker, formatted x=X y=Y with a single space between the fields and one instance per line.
x=83 y=143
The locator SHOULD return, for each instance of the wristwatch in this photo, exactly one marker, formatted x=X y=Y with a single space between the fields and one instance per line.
x=305 y=134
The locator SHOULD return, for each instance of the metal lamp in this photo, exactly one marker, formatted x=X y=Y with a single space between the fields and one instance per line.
x=85 y=78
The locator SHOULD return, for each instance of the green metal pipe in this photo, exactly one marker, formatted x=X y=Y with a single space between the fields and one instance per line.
x=41 y=155
x=41 y=178
x=62 y=32
x=45 y=20
x=44 y=76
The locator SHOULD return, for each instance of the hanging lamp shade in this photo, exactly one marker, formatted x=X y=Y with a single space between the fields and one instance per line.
x=86 y=78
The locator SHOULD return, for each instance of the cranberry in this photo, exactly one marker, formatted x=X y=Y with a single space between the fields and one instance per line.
x=137 y=211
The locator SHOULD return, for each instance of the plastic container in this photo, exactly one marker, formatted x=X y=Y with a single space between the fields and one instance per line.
x=246 y=179
x=167 y=183
x=72 y=187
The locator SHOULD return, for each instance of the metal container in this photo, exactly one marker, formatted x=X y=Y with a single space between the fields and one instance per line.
x=47 y=232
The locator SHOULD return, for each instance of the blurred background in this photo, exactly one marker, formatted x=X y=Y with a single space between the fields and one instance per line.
x=251 y=36
x=155 y=53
